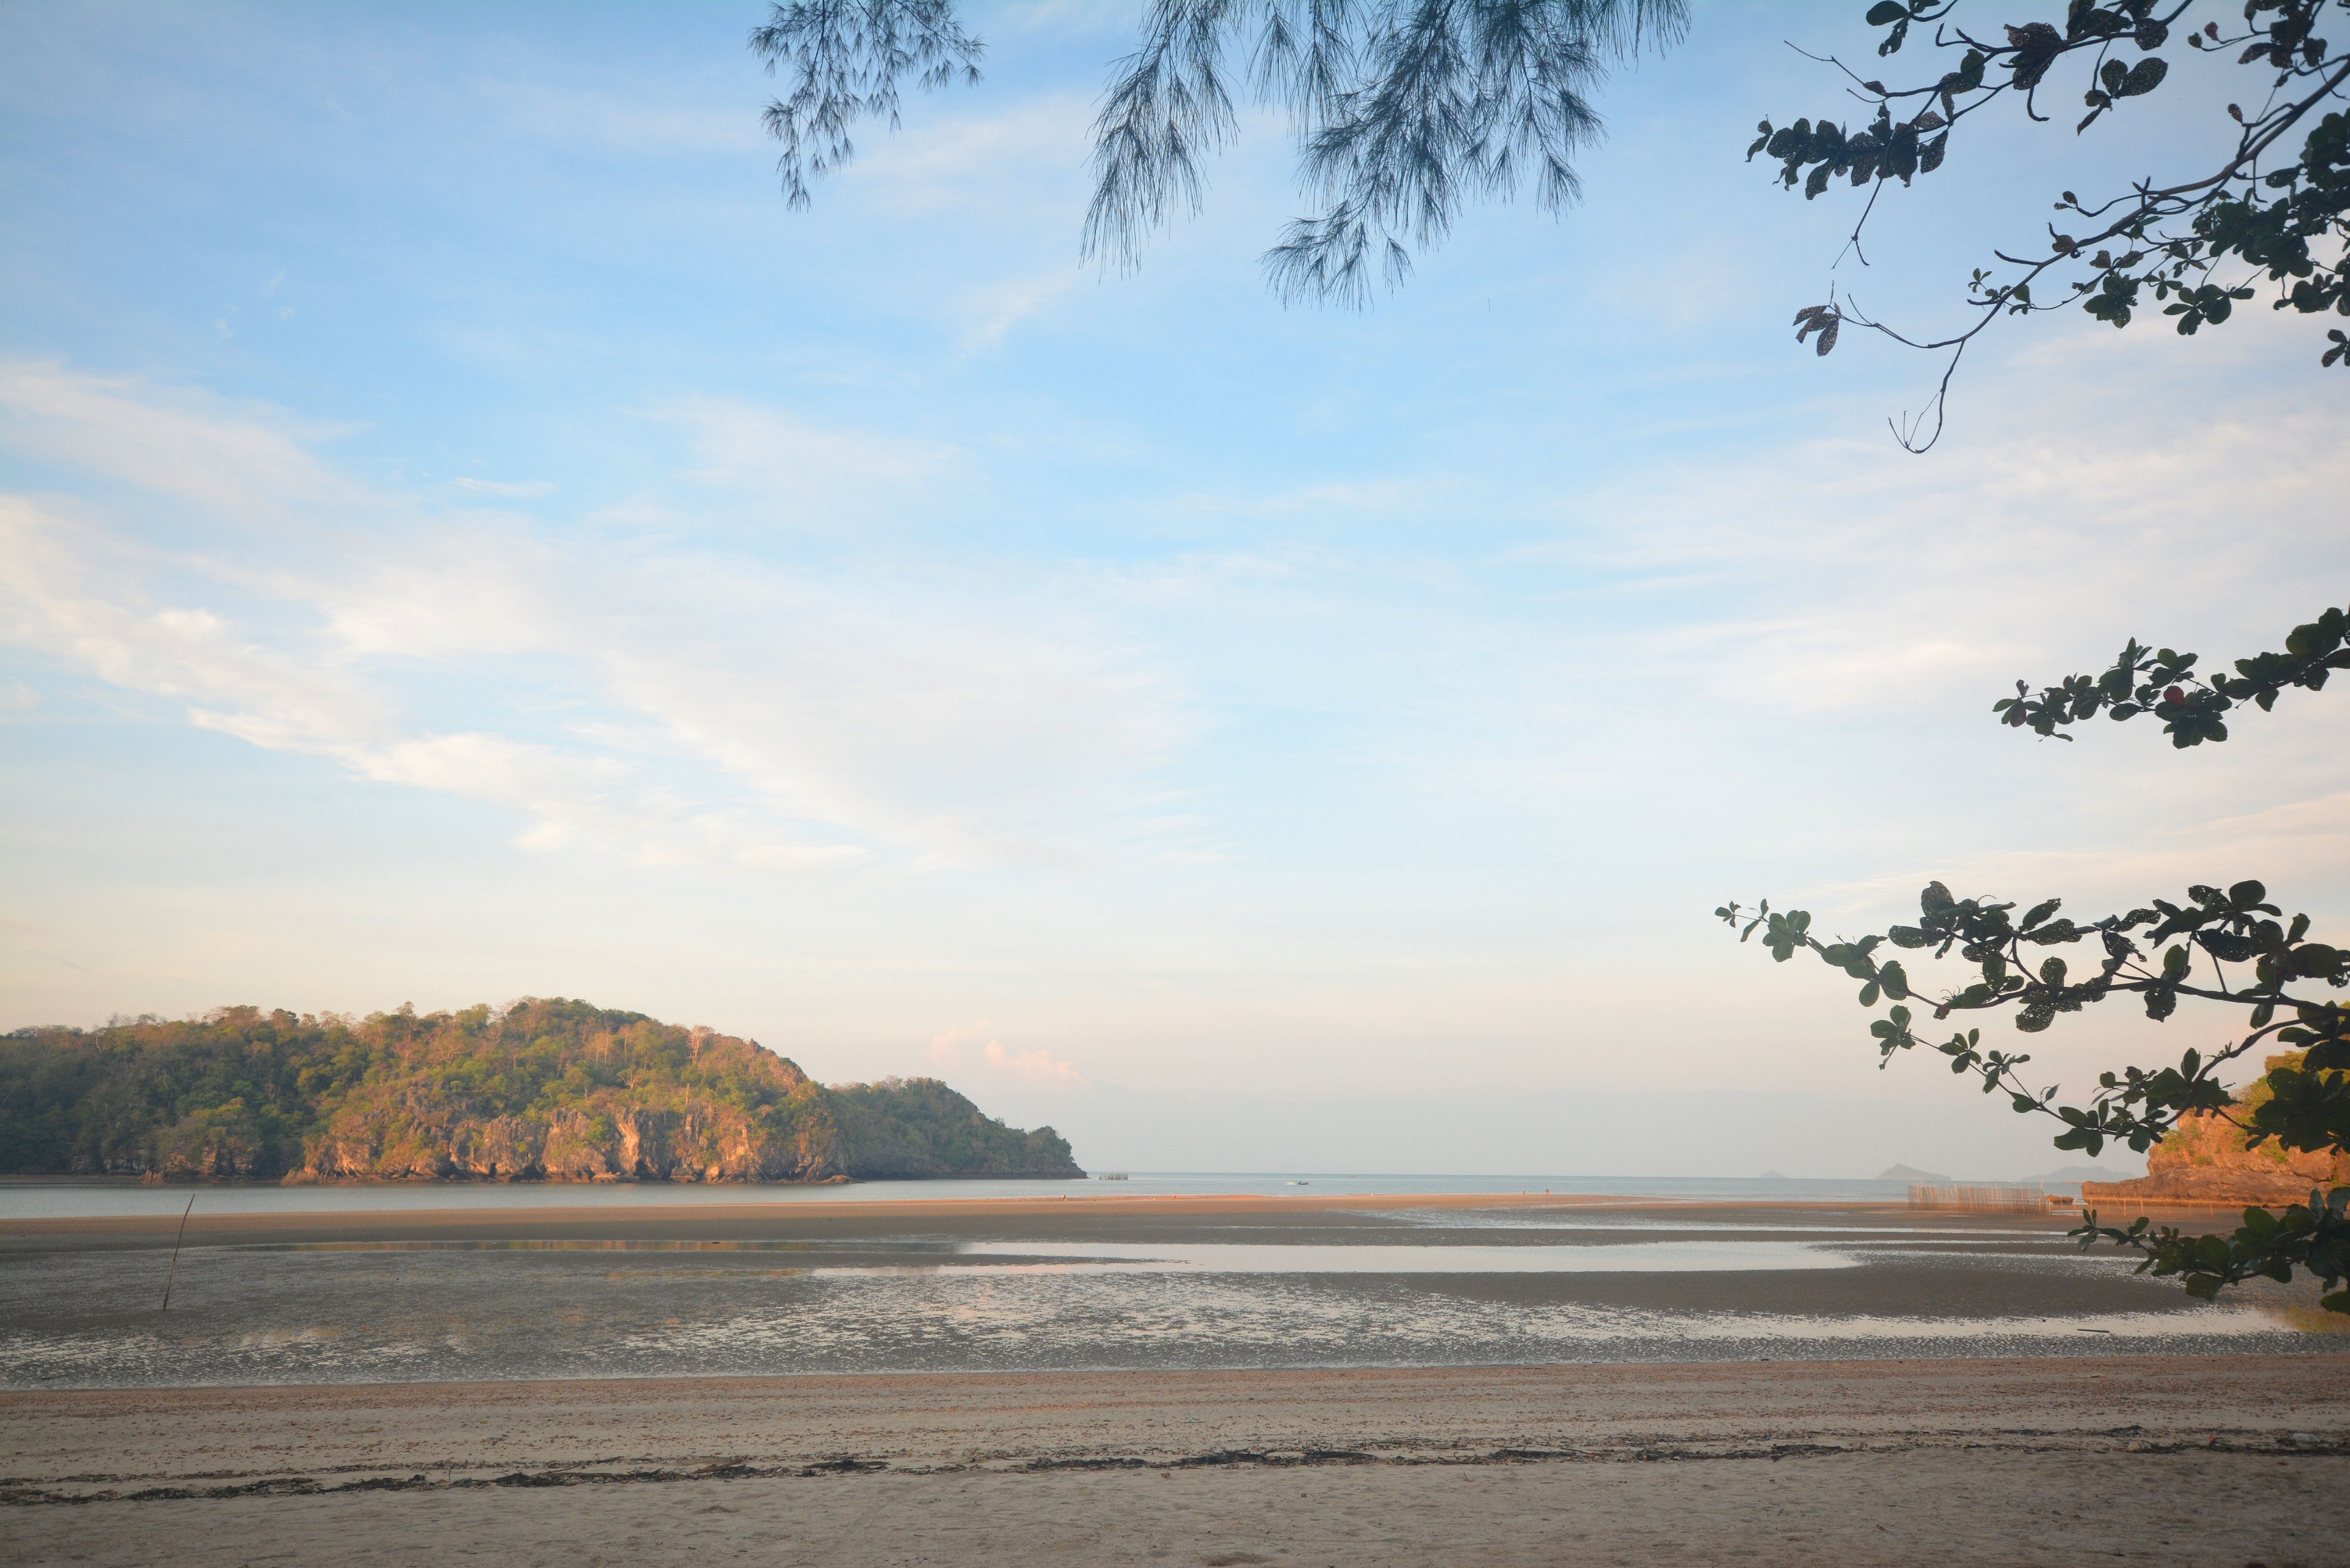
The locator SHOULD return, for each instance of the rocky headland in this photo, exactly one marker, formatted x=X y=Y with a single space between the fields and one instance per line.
x=546 y=1090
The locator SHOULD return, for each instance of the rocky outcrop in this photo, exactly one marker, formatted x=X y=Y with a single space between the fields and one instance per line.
x=611 y=1138
x=2204 y=1161
x=698 y=1142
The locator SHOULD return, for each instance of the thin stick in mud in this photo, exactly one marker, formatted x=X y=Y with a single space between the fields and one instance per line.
x=174 y=1274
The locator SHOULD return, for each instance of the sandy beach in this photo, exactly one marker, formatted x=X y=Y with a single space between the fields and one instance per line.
x=1095 y=1380
x=2220 y=1460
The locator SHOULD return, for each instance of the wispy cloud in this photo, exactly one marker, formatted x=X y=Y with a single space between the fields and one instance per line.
x=244 y=461
x=995 y=310
x=969 y=160
x=623 y=122
x=965 y=1044
x=805 y=474
x=787 y=720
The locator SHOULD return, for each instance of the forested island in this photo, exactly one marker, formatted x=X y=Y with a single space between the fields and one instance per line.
x=546 y=1090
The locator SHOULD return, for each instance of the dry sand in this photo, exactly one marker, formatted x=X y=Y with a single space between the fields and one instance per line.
x=2223 y=1459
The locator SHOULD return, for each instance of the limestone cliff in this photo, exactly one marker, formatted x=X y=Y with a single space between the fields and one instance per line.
x=611 y=1138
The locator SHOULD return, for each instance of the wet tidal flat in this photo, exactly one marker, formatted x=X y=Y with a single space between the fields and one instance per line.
x=1076 y=1286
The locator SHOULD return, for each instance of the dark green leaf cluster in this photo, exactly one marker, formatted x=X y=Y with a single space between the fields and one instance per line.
x=2305 y=1099
x=2288 y=220
x=2232 y=926
x=2306 y=1107
x=1883 y=150
x=2275 y=233
x=2315 y=1236
x=2164 y=683
x=2303 y=1102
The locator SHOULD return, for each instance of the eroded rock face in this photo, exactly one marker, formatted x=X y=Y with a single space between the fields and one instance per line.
x=612 y=1139
x=2204 y=1161
x=503 y=1148
x=687 y=1106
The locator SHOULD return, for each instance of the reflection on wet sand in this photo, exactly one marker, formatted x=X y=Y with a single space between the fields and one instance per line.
x=1215 y=1258
x=1020 y=1290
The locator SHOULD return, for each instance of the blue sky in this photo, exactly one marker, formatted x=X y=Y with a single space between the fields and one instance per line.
x=468 y=539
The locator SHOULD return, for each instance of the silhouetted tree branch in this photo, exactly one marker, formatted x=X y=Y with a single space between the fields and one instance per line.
x=2286 y=216
x=2227 y=946
x=1404 y=110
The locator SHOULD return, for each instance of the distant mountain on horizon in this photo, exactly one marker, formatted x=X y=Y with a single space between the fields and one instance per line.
x=2070 y=1175
x=2063 y=1176
x=546 y=1090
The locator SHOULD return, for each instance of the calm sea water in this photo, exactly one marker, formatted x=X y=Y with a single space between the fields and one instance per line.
x=26 y=1198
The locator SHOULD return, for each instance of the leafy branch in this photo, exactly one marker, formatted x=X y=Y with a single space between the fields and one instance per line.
x=2236 y=926
x=2314 y=1235
x=2307 y=1104
x=2163 y=239
x=2304 y=1105
x=2164 y=683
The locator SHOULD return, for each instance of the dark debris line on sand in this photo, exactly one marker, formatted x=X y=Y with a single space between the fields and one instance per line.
x=596 y=1473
